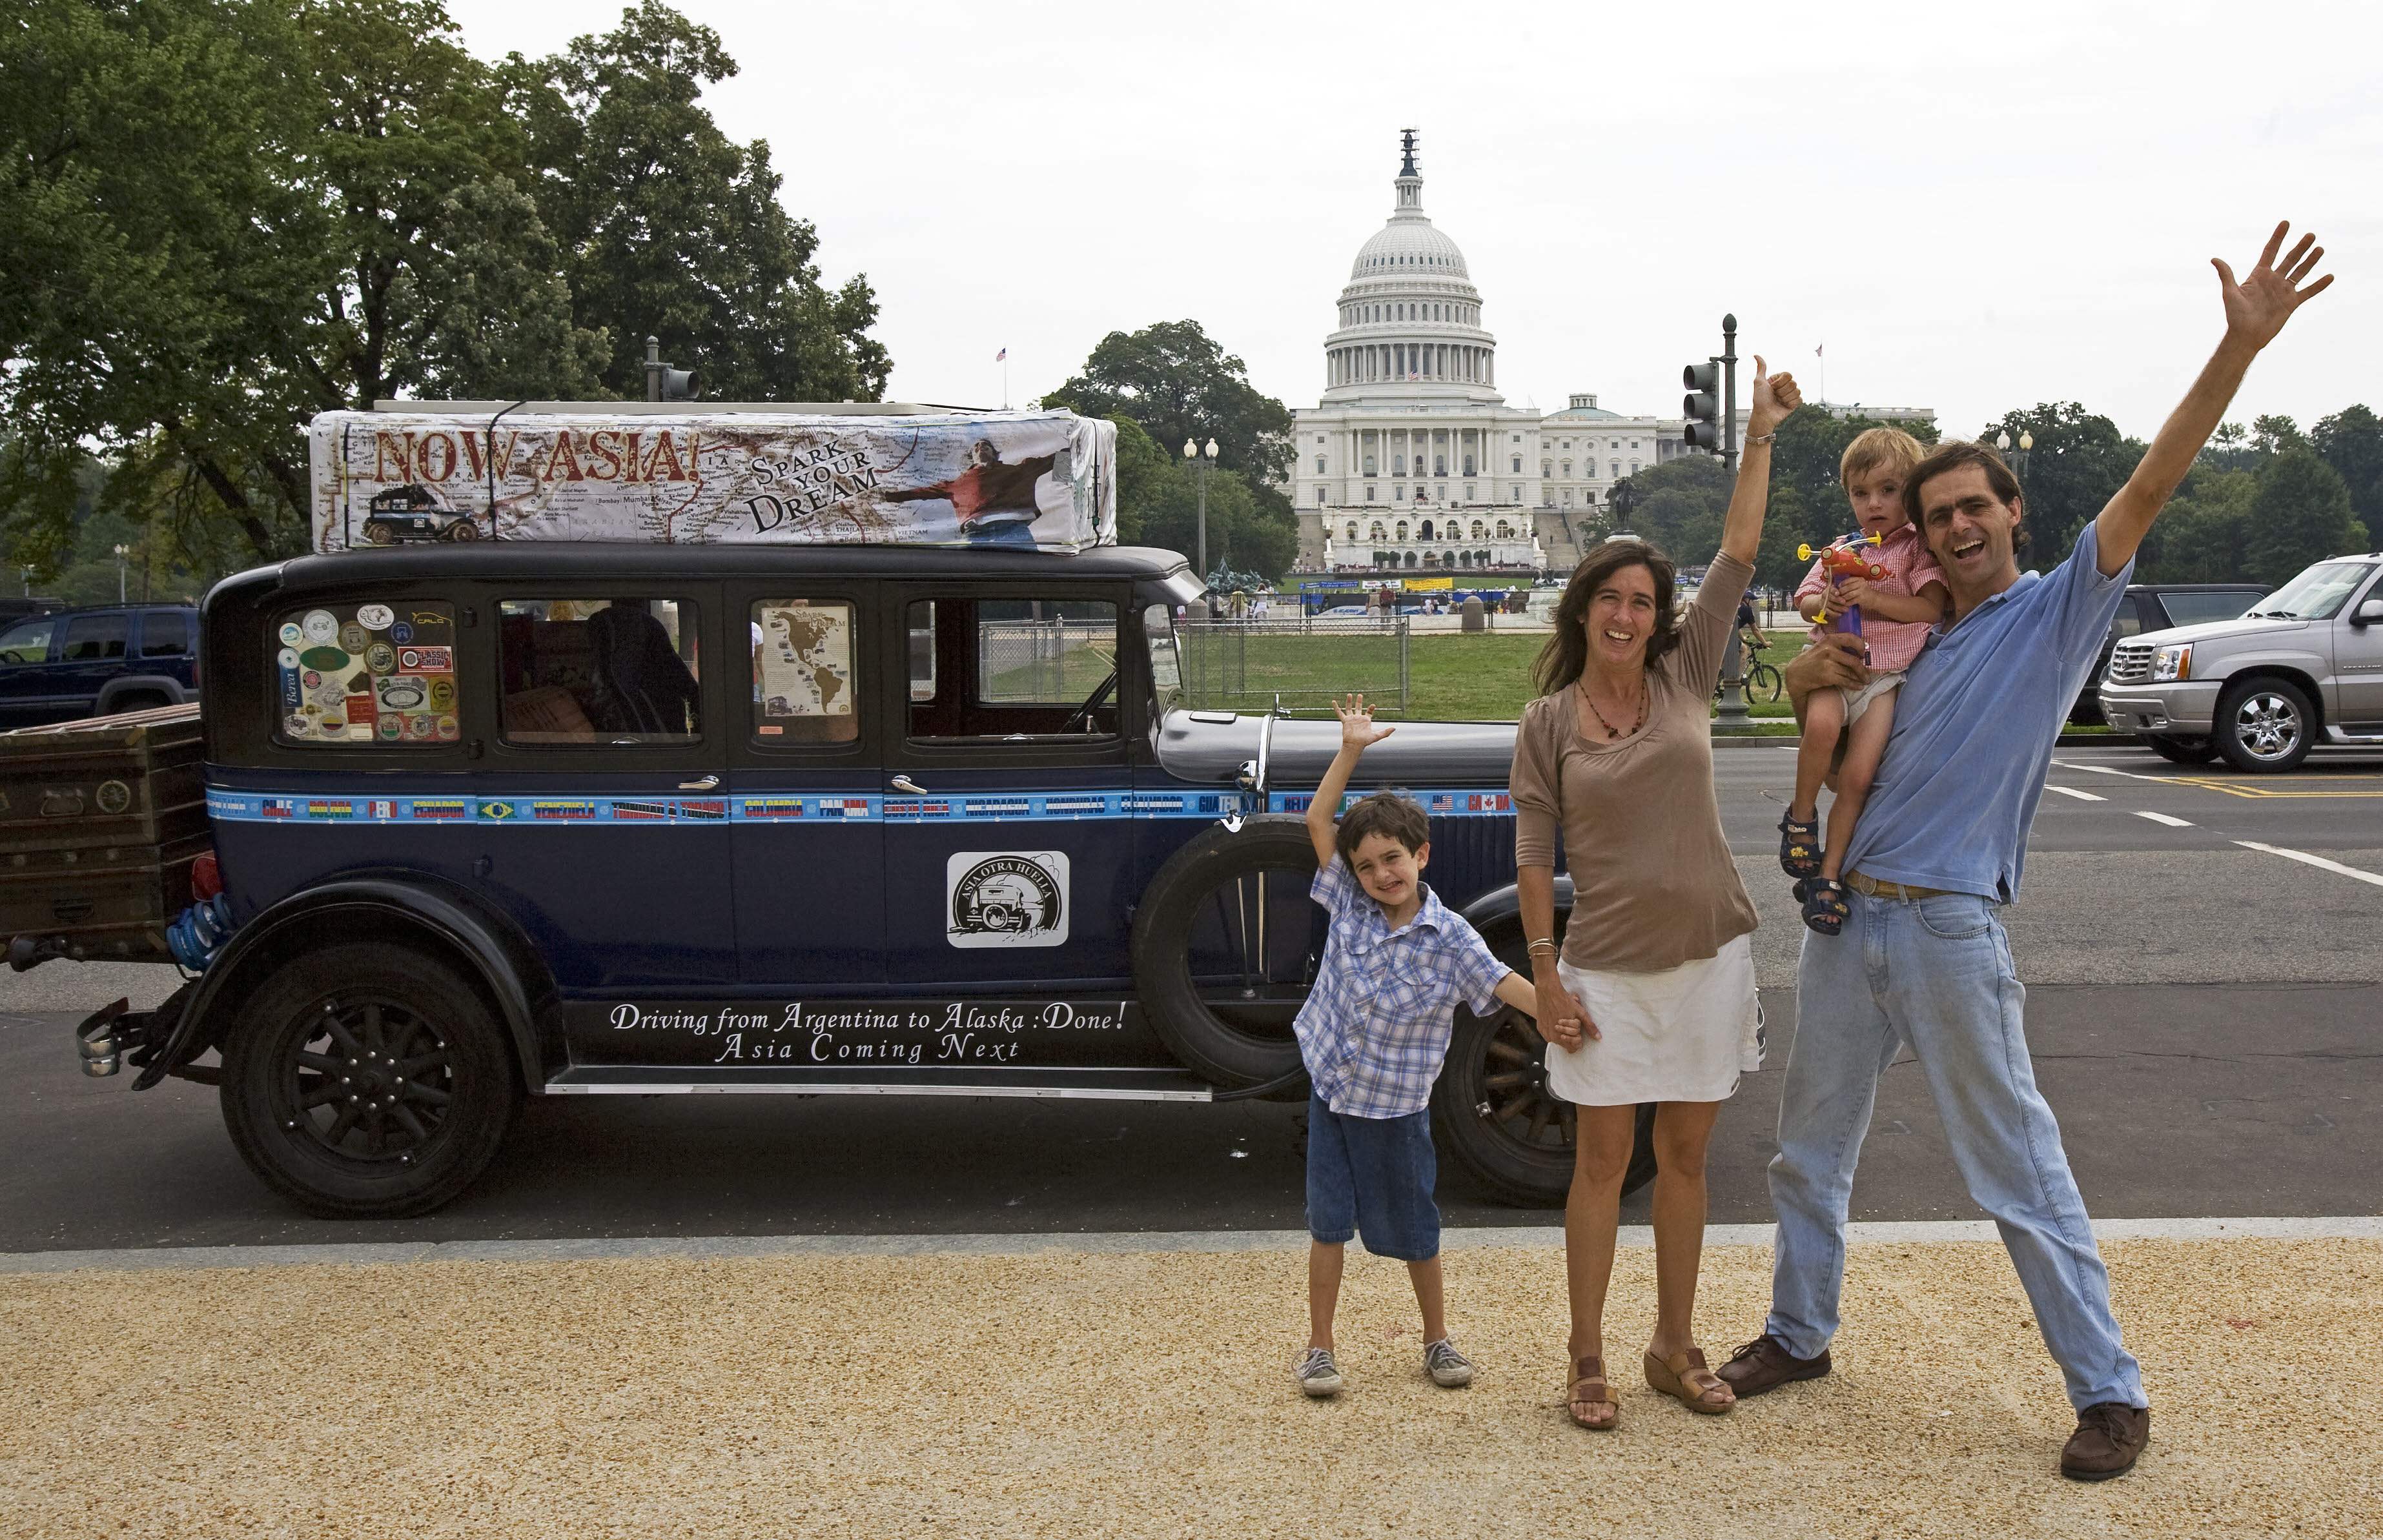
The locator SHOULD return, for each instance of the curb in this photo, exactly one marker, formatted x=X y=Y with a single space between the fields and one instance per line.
x=1110 y=1242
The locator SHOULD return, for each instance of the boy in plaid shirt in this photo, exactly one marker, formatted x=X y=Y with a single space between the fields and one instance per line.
x=1374 y=1034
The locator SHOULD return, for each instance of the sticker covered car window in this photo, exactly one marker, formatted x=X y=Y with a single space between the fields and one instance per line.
x=370 y=673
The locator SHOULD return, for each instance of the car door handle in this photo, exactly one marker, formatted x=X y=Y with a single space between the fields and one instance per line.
x=704 y=784
x=904 y=784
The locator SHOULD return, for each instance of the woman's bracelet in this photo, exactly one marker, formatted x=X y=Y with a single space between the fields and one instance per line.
x=1764 y=438
x=1547 y=941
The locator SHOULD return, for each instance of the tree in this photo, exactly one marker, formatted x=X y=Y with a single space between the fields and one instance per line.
x=2078 y=462
x=1159 y=504
x=2352 y=442
x=1175 y=381
x=2301 y=514
x=672 y=230
x=1680 y=506
x=233 y=216
x=2199 y=536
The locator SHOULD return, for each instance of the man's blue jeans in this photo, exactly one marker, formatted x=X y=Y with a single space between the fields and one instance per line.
x=1935 y=973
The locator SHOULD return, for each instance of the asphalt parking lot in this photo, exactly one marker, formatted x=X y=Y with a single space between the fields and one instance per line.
x=2201 y=949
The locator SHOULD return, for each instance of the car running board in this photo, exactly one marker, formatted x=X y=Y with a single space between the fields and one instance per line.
x=2336 y=734
x=1088 y=1085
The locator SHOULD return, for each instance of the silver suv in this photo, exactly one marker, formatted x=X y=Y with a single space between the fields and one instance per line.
x=2304 y=665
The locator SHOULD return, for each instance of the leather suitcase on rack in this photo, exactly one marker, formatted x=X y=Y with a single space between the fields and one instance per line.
x=100 y=820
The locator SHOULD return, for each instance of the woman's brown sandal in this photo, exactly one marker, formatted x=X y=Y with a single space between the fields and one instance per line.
x=1685 y=1378
x=1587 y=1373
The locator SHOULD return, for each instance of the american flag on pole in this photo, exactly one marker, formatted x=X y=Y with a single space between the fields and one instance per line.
x=1001 y=357
x=1816 y=351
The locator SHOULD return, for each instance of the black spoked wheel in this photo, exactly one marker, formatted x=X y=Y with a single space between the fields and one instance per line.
x=1494 y=1113
x=1226 y=947
x=372 y=1082
x=367 y=1081
x=1764 y=682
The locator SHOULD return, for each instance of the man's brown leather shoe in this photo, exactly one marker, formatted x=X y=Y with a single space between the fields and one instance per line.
x=1766 y=1364
x=2108 y=1439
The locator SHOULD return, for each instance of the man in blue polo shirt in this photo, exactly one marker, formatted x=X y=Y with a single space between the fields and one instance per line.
x=1923 y=960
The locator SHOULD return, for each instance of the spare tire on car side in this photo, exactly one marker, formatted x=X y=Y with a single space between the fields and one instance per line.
x=1234 y=1032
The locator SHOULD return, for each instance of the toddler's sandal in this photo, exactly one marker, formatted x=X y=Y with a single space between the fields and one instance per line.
x=1824 y=903
x=1799 y=847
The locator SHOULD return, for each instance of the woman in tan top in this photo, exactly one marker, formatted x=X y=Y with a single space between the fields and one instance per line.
x=1652 y=996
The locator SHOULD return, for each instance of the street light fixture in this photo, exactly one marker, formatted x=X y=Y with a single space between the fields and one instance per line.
x=1202 y=459
x=120 y=572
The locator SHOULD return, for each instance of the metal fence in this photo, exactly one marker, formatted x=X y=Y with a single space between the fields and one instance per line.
x=1048 y=662
x=1301 y=662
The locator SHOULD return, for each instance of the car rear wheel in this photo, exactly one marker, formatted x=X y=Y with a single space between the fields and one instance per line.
x=2265 y=725
x=380 y=535
x=2180 y=750
x=367 y=1081
x=1225 y=944
x=464 y=529
x=1493 y=1112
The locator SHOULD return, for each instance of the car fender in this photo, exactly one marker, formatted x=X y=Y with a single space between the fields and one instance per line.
x=407 y=907
x=1501 y=908
x=2293 y=665
x=173 y=689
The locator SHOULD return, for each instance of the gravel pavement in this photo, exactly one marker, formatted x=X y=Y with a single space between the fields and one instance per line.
x=1148 y=1394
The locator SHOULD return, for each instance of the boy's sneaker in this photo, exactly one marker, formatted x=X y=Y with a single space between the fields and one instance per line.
x=1318 y=1375
x=1448 y=1368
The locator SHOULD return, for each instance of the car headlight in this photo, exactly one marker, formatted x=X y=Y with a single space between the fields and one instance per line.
x=2172 y=663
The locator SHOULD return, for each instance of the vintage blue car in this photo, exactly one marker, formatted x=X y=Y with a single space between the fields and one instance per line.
x=584 y=820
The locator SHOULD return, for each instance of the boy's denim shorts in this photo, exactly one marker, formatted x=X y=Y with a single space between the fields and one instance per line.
x=1373 y=1177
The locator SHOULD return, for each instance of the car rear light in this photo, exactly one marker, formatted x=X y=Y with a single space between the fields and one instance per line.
x=206 y=877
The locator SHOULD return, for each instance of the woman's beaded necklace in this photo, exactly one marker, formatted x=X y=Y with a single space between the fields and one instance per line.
x=1611 y=732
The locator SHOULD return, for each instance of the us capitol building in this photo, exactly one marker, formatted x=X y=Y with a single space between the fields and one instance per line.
x=1412 y=459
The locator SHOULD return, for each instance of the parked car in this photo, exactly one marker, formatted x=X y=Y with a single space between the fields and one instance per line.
x=2305 y=663
x=2161 y=606
x=73 y=663
x=513 y=819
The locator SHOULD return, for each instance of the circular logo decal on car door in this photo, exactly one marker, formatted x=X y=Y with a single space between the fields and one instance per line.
x=1006 y=898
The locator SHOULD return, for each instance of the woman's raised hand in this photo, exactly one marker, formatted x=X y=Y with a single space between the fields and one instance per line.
x=1774 y=397
x=1357 y=729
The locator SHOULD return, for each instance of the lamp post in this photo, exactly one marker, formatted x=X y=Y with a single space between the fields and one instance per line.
x=1203 y=458
x=2019 y=461
x=120 y=574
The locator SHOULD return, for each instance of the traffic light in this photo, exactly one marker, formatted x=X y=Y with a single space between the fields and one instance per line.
x=1701 y=405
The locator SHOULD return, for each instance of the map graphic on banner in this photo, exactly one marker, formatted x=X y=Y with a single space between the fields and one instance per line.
x=1030 y=479
x=806 y=660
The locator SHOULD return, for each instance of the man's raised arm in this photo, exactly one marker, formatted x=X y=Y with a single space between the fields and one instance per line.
x=2256 y=309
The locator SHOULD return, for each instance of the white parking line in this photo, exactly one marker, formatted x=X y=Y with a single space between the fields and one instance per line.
x=2320 y=861
x=2072 y=791
x=2104 y=770
x=2162 y=817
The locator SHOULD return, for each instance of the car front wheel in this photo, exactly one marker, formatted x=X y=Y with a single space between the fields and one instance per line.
x=2265 y=725
x=1493 y=1111
x=367 y=1081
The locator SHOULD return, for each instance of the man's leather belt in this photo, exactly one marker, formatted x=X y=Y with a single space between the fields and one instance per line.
x=1871 y=887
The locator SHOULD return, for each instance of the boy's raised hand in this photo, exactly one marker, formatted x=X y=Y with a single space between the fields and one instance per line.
x=1357 y=729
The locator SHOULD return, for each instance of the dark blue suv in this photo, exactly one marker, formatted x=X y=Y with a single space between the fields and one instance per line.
x=73 y=663
x=581 y=819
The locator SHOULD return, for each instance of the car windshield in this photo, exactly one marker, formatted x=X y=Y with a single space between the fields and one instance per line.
x=1166 y=657
x=2315 y=594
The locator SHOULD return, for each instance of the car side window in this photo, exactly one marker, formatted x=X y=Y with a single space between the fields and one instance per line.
x=598 y=670
x=366 y=672
x=165 y=633
x=1012 y=668
x=95 y=638
x=2131 y=616
x=28 y=641
x=805 y=686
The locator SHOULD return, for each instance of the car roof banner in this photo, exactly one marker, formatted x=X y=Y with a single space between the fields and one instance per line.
x=1045 y=480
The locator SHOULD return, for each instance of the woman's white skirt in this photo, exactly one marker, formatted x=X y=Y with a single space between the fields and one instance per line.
x=1685 y=1034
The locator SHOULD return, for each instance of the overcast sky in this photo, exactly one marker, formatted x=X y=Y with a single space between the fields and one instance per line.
x=1974 y=209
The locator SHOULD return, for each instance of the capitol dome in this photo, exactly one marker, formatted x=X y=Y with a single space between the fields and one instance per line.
x=1410 y=317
